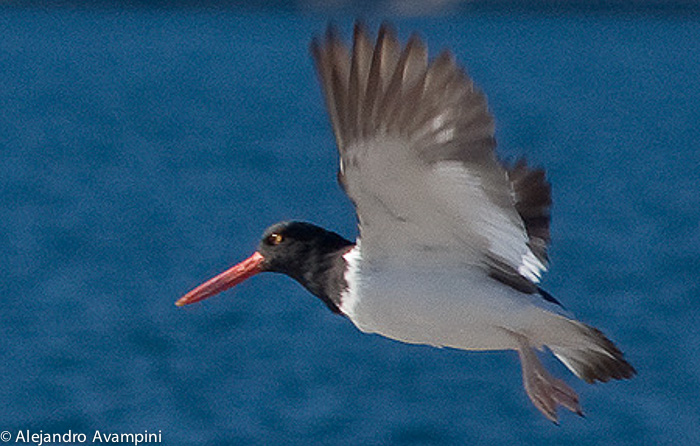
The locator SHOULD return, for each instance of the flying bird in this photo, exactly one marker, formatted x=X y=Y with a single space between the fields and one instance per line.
x=452 y=242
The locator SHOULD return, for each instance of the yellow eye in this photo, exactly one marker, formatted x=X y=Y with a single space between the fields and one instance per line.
x=275 y=239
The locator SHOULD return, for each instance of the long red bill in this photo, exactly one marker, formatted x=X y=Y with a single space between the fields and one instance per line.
x=229 y=278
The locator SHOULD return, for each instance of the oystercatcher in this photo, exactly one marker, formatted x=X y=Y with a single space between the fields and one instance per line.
x=452 y=243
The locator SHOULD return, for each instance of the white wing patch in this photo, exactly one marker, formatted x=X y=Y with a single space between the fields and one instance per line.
x=501 y=229
x=351 y=296
x=531 y=267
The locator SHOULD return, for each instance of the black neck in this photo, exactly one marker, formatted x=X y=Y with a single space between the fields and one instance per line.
x=315 y=260
x=325 y=277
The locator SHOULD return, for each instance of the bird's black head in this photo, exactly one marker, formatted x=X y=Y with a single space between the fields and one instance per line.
x=297 y=248
x=305 y=252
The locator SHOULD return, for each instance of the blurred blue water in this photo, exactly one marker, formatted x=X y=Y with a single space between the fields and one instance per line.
x=143 y=150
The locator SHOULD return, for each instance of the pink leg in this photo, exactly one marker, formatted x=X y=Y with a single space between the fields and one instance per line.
x=545 y=391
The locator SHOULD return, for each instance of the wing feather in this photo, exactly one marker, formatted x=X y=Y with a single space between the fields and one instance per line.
x=384 y=59
x=359 y=68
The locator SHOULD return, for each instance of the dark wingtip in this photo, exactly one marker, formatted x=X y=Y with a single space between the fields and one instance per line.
x=386 y=28
x=359 y=29
x=332 y=33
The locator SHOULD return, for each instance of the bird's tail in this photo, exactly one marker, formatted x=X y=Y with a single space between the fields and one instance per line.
x=593 y=357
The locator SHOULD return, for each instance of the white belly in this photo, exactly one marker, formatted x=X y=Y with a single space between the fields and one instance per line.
x=460 y=308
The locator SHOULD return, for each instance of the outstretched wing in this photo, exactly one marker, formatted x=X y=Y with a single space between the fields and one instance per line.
x=417 y=159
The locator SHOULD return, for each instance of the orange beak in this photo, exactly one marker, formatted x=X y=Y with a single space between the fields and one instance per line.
x=229 y=278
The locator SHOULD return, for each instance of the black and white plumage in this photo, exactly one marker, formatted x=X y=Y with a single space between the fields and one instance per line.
x=452 y=242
